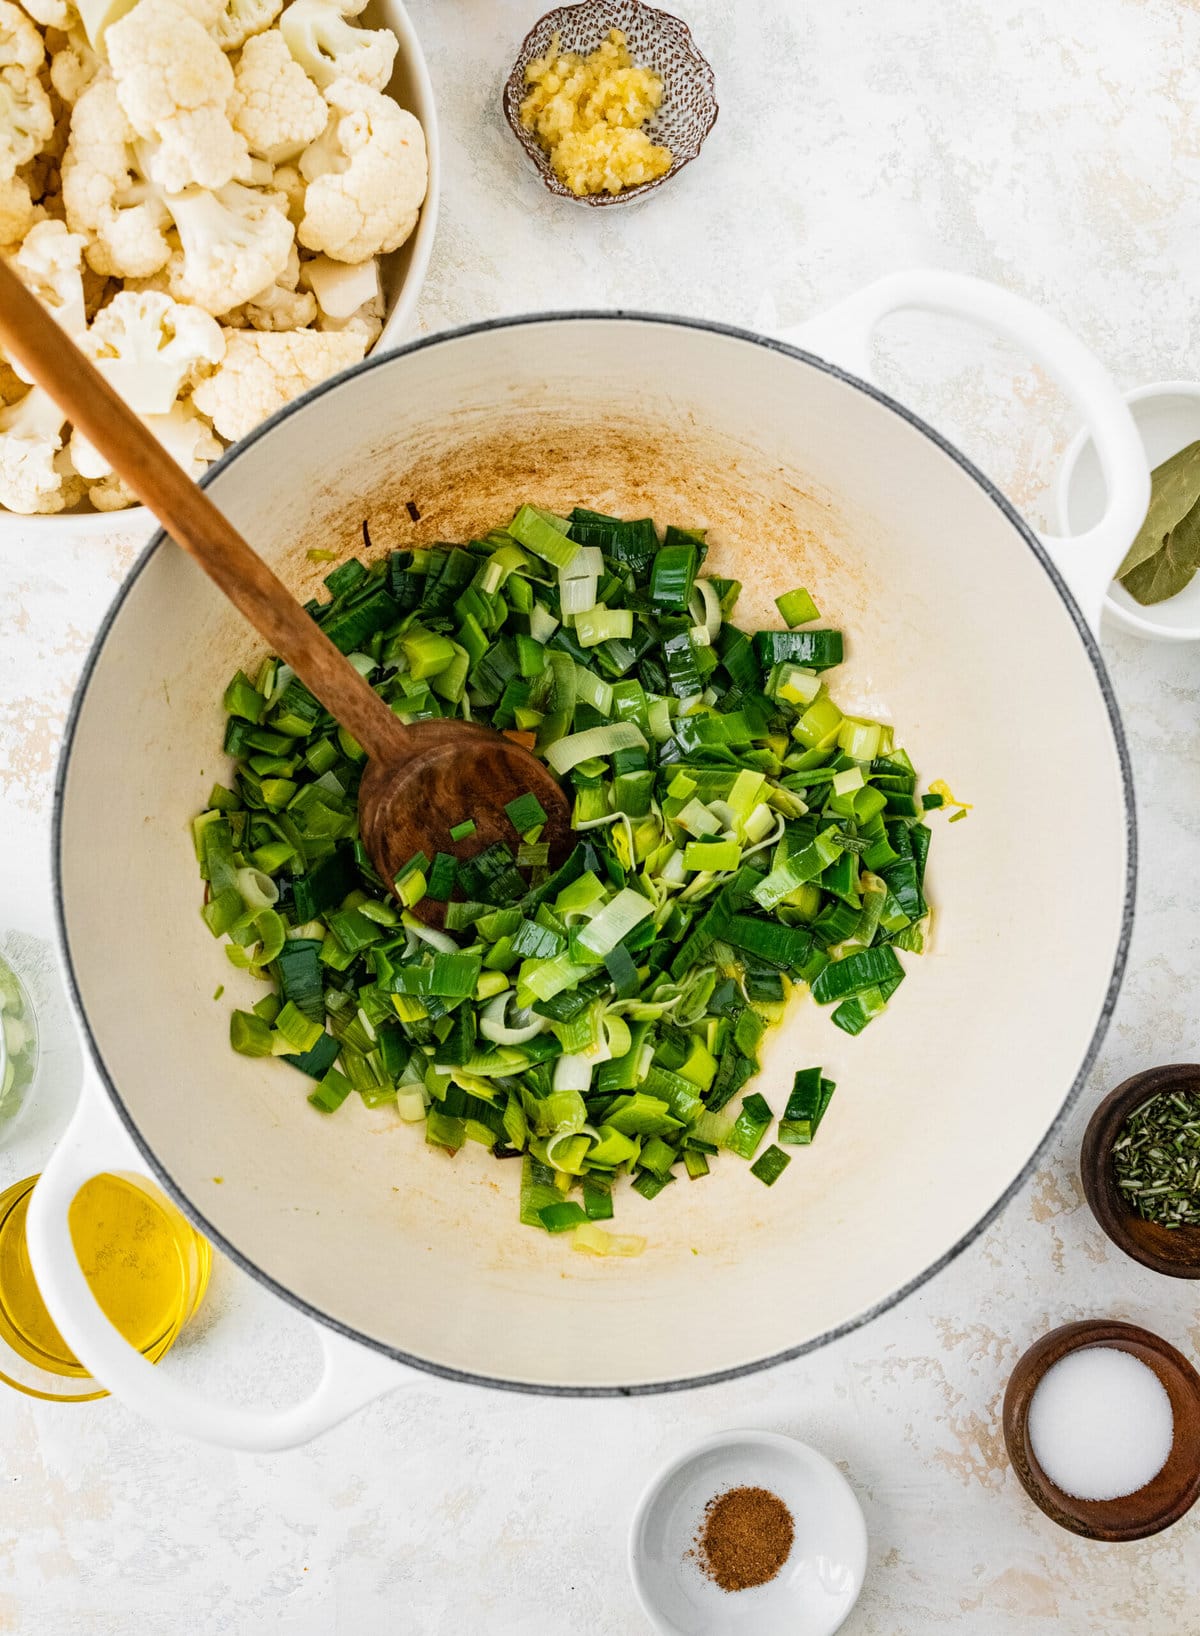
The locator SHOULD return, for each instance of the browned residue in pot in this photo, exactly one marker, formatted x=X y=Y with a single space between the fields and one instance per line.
x=772 y=533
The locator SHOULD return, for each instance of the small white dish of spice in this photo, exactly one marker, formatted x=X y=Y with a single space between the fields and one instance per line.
x=749 y=1532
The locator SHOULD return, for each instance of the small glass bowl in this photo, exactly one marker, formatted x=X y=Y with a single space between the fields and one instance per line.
x=18 y=1046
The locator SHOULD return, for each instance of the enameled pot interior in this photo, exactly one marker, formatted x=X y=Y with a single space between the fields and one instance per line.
x=956 y=632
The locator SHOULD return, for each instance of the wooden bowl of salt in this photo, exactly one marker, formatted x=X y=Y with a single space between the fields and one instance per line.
x=1102 y=1425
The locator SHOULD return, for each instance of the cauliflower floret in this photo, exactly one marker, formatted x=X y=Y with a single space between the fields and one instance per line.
x=60 y=14
x=35 y=472
x=87 y=459
x=240 y=19
x=105 y=193
x=280 y=306
x=206 y=12
x=366 y=176
x=73 y=67
x=97 y=15
x=186 y=436
x=263 y=372
x=288 y=181
x=350 y=296
x=111 y=494
x=149 y=347
x=71 y=73
x=330 y=48
x=174 y=83
x=259 y=173
x=26 y=118
x=48 y=263
x=159 y=282
x=17 y=210
x=276 y=107
x=21 y=46
x=340 y=287
x=234 y=243
x=366 y=322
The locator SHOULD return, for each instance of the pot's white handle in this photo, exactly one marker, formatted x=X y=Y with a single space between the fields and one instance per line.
x=1088 y=561
x=95 y=1142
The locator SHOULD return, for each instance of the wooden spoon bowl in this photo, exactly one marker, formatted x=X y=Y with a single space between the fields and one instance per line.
x=1173 y=1251
x=454 y=770
x=1167 y=1496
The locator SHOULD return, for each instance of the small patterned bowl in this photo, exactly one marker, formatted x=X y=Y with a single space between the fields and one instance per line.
x=656 y=40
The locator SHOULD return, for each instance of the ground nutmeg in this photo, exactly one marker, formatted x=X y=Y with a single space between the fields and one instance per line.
x=745 y=1538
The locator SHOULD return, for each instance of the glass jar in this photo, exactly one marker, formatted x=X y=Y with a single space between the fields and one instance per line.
x=147 y=1267
x=18 y=1045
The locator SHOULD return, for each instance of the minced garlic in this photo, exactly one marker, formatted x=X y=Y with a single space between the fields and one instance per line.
x=587 y=112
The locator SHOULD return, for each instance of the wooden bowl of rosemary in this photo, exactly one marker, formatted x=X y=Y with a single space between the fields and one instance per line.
x=1140 y=1165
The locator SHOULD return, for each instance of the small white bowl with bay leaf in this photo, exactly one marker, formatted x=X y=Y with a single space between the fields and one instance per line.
x=1157 y=592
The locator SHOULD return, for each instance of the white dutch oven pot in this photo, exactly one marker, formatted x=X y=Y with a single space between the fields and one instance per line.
x=975 y=636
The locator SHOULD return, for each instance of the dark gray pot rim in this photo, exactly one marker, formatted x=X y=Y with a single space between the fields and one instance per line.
x=1091 y=647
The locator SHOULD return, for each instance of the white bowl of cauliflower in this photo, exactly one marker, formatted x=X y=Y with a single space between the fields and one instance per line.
x=223 y=202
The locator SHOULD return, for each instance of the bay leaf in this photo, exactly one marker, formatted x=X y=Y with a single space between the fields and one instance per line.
x=1172 y=567
x=1174 y=490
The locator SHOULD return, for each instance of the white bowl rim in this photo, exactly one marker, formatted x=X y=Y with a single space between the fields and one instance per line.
x=84 y=524
x=751 y=1437
x=1144 y=625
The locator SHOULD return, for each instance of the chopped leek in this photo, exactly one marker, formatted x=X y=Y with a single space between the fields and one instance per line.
x=525 y=813
x=737 y=835
x=568 y=752
x=797 y=608
x=770 y=1164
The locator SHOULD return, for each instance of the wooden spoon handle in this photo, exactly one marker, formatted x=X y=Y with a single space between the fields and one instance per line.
x=31 y=336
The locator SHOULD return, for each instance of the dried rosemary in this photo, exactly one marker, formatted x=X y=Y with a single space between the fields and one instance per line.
x=1156 y=1160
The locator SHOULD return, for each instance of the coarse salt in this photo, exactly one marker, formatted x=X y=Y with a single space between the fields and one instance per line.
x=1101 y=1424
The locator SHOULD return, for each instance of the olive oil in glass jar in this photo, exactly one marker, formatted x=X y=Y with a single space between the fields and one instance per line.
x=147 y=1267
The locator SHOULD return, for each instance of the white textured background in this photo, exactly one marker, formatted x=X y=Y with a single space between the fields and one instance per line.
x=1057 y=150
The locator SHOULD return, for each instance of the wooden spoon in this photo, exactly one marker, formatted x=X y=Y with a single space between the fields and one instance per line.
x=421 y=778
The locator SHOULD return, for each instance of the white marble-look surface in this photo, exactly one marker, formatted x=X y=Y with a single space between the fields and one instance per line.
x=1057 y=150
